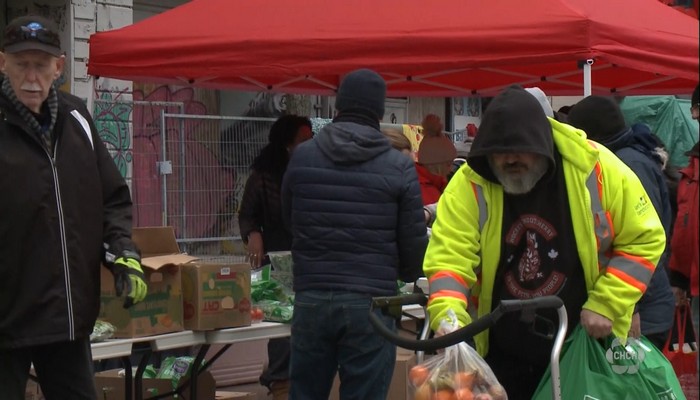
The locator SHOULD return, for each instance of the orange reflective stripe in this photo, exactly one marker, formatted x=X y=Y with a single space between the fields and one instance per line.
x=627 y=279
x=599 y=179
x=641 y=261
x=448 y=274
x=634 y=270
x=611 y=227
x=474 y=189
x=602 y=222
x=447 y=283
x=448 y=293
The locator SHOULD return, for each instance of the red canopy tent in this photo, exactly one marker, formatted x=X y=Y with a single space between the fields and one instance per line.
x=441 y=48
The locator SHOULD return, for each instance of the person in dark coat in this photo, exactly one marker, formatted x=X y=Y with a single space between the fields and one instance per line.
x=602 y=120
x=355 y=210
x=65 y=210
x=263 y=230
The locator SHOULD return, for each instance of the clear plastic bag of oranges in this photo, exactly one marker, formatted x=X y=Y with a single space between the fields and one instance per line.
x=457 y=373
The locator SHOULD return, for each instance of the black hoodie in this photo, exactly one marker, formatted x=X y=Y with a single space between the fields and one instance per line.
x=514 y=122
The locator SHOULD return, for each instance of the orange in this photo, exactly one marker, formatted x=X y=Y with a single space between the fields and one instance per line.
x=464 y=394
x=444 y=394
x=418 y=375
x=423 y=392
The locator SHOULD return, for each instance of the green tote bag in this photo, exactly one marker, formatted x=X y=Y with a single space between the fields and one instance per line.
x=606 y=370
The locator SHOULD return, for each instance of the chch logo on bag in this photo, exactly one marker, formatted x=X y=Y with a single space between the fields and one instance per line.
x=624 y=359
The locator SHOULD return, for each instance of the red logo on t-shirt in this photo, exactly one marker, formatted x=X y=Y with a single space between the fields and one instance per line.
x=536 y=274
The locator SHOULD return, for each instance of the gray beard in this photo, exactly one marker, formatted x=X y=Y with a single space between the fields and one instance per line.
x=524 y=183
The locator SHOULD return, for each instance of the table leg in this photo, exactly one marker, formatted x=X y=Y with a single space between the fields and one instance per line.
x=138 y=378
x=128 y=381
x=194 y=374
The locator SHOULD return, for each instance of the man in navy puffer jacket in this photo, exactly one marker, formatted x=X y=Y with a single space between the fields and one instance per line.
x=356 y=215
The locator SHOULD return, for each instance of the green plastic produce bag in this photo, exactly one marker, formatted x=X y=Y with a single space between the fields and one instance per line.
x=602 y=370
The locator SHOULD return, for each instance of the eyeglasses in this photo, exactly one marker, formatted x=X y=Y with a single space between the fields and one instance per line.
x=31 y=31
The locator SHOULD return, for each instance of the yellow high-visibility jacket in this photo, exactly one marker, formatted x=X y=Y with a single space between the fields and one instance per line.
x=616 y=275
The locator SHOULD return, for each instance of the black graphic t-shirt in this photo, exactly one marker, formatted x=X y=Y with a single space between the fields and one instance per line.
x=538 y=258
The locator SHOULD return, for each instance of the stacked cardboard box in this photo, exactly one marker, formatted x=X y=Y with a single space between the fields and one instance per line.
x=161 y=311
x=110 y=386
x=182 y=293
x=216 y=296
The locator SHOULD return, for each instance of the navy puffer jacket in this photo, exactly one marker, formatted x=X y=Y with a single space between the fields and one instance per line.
x=636 y=148
x=355 y=210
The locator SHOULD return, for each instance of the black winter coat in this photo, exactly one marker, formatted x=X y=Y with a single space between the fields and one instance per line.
x=637 y=150
x=57 y=211
x=261 y=211
x=354 y=204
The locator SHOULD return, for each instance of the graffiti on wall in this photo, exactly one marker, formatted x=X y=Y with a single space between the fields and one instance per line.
x=132 y=130
x=112 y=118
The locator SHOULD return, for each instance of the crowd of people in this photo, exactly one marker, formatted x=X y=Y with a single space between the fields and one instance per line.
x=573 y=204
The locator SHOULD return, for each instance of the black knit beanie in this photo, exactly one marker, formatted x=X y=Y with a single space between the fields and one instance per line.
x=600 y=117
x=362 y=91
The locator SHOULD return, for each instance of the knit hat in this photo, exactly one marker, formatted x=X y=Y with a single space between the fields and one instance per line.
x=435 y=147
x=542 y=98
x=600 y=117
x=31 y=33
x=362 y=90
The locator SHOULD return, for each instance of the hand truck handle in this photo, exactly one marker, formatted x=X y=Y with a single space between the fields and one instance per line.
x=467 y=332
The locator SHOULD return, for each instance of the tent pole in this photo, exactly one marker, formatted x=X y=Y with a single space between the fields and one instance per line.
x=587 y=77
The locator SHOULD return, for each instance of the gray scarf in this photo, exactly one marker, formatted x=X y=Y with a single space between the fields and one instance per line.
x=52 y=101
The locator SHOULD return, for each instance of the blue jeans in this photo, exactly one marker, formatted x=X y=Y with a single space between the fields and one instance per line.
x=331 y=333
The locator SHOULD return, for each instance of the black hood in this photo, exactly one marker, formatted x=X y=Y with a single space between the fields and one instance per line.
x=351 y=143
x=514 y=122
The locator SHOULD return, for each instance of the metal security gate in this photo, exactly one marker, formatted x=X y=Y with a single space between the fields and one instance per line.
x=205 y=164
x=186 y=171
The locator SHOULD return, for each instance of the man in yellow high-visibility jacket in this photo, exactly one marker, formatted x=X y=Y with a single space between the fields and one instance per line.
x=539 y=210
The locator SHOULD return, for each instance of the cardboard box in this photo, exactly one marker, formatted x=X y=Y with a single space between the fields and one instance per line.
x=398 y=389
x=161 y=311
x=235 y=396
x=110 y=386
x=216 y=295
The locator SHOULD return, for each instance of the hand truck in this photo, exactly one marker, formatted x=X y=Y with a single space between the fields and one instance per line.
x=479 y=325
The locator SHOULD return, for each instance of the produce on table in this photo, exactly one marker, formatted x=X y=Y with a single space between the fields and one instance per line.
x=102 y=330
x=275 y=303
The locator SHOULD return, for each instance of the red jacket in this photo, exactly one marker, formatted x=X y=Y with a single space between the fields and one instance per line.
x=431 y=185
x=684 y=242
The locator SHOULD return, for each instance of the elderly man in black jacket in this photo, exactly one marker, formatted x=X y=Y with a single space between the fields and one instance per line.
x=65 y=209
x=354 y=205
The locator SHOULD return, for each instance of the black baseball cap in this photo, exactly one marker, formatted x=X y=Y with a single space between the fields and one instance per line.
x=32 y=32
